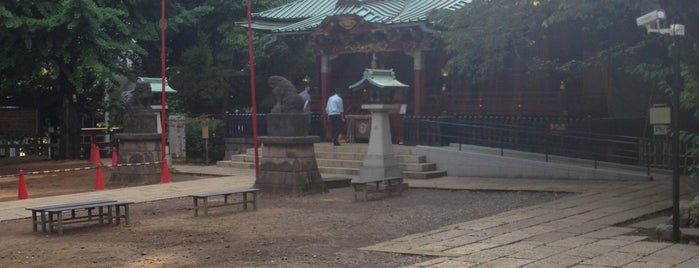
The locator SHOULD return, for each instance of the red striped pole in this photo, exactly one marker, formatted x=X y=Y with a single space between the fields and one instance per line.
x=252 y=90
x=165 y=173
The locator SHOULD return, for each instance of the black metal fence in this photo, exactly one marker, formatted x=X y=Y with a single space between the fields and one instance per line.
x=584 y=138
x=569 y=137
x=240 y=125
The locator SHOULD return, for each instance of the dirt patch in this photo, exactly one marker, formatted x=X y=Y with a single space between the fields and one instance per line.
x=324 y=230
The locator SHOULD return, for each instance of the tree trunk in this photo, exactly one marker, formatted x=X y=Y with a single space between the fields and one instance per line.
x=70 y=130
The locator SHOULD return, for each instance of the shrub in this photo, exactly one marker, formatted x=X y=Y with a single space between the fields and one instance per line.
x=196 y=152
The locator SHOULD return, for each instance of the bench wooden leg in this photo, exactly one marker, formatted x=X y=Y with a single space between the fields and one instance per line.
x=34 y=223
x=126 y=214
x=196 y=207
x=206 y=206
x=50 y=223
x=118 y=214
x=254 y=200
x=354 y=189
x=43 y=222
x=110 y=215
x=245 y=201
x=60 y=223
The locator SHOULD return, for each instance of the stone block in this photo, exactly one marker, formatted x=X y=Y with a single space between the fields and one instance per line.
x=296 y=124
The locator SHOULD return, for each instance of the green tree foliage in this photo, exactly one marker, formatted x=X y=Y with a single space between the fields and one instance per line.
x=210 y=63
x=66 y=49
x=554 y=36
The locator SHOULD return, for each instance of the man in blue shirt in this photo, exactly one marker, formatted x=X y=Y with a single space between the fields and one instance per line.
x=307 y=103
x=335 y=111
x=306 y=99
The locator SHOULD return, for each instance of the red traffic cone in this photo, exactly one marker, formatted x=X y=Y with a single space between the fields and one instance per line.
x=165 y=173
x=99 y=181
x=95 y=155
x=114 y=156
x=22 y=192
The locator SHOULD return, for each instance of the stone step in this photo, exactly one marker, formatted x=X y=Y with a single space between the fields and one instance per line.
x=347 y=159
x=236 y=164
x=339 y=163
x=424 y=174
x=418 y=167
x=397 y=150
x=340 y=171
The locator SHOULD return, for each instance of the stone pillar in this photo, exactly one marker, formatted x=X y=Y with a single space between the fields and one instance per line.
x=380 y=161
x=177 y=138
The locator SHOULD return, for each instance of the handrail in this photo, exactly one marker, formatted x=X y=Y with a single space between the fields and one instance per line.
x=581 y=145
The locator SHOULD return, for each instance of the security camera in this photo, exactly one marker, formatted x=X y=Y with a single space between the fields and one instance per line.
x=677 y=29
x=652 y=19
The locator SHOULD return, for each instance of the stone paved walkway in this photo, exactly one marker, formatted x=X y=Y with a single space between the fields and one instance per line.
x=575 y=231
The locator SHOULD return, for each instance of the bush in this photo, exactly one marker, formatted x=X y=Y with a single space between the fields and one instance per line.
x=196 y=152
x=694 y=214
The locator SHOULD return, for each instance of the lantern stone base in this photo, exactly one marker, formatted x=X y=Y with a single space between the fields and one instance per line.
x=288 y=166
x=137 y=148
x=380 y=162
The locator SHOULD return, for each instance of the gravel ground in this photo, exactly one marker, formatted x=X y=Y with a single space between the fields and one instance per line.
x=322 y=230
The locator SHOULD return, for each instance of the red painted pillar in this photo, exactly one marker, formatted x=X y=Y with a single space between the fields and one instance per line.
x=324 y=69
x=419 y=84
x=325 y=88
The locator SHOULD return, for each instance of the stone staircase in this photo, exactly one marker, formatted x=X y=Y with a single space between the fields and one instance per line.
x=347 y=158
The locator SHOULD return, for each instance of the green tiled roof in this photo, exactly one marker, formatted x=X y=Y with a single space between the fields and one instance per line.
x=378 y=78
x=306 y=15
x=156 y=85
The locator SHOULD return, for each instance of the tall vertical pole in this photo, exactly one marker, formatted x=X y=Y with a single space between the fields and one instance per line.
x=418 y=73
x=676 y=140
x=252 y=90
x=165 y=173
x=324 y=70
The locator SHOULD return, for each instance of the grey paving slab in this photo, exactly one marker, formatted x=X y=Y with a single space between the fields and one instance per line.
x=691 y=263
x=613 y=259
x=670 y=255
x=572 y=242
x=638 y=264
x=538 y=253
x=559 y=260
x=471 y=248
x=643 y=247
x=506 y=262
x=589 y=251
x=651 y=223
x=550 y=237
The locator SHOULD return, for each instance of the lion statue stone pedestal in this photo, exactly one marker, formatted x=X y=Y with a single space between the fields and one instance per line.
x=288 y=164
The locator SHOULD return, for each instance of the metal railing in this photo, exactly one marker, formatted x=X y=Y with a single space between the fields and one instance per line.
x=535 y=136
x=579 y=138
x=240 y=125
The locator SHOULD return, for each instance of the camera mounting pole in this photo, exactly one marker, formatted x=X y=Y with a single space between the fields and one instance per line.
x=651 y=22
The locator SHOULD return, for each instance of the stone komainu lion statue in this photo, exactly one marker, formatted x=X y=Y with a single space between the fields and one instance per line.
x=139 y=98
x=288 y=101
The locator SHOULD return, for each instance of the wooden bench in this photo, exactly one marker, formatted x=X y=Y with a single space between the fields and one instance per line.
x=39 y=213
x=107 y=210
x=205 y=198
x=390 y=185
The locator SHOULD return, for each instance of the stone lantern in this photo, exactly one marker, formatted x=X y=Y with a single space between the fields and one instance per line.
x=381 y=85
